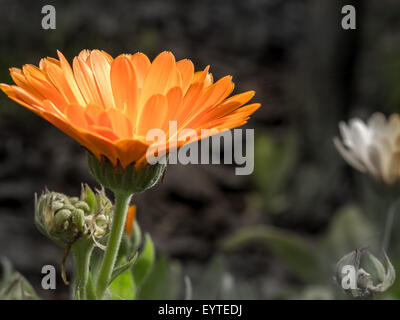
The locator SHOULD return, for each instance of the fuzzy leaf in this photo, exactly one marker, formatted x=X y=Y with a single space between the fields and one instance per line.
x=123 y=287
x=145 y=262
x=124 y=267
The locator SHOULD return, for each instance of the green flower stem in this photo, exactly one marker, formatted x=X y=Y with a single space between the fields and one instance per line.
x=387 y=232
x=82 y=250
x=122 y=200
x=90 y=292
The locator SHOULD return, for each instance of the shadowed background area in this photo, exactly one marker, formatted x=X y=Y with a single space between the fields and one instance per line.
x=307 y=204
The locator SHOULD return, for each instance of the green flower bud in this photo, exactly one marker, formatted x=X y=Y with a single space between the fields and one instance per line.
x=64 y=219
x=73 y=200
x=61 y=217
x=83 y=206
x=361 y=274
x=101 y=220
x=78 y=219
x=68 y=206
x=57 y=205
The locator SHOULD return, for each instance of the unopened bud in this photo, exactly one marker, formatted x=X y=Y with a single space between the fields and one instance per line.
x=73 y=200
x=57 y=205
x=82 y=205
x=68 y=206
x=64 y=219
x=61 y=217
x=101 y=220
x=78 y=219
x=361 y=274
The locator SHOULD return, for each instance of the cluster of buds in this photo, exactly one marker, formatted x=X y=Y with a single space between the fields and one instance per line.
x=362 y=275
x=65 y=219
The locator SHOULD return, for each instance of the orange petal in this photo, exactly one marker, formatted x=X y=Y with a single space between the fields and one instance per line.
x=141 y=64
x=237 y=116
x=105 y=132
x=175 y=99
x=130 y=219
x=92 y=141
x=124 y=86
x=21 y=81
x=212 y=95
x=159 y=77
x=46 y=88
x=26 y=96
x=226 y=107
x=153 y=114
x=86 y=81
x=120 y=124
x=13 y=94
x=66 y=80
x=186 y=70
x=189 y=100
x=200 y=76
x=100 y=66
x=130 y=151
x=94 y=111
x=84 y=55
x=76 y=115
x=52 y=108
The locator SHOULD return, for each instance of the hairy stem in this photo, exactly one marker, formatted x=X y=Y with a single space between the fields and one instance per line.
x=82 y=251
x=122 y=201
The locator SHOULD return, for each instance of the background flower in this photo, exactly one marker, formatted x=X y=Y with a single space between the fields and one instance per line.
x=372 y=147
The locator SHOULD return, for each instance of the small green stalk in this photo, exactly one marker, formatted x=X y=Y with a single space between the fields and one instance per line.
x=387 y=232
x=90 y=292
x=122 y=200
x=82 y=250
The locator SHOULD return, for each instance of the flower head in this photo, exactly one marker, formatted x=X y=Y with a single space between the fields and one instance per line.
x=372 y=147
x=108 y=105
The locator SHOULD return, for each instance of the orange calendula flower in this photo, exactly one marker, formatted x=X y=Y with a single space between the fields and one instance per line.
x=130 y=219
x=108 y=105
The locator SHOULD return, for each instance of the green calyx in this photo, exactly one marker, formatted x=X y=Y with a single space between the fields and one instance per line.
x=64 y=219
x=130 y=180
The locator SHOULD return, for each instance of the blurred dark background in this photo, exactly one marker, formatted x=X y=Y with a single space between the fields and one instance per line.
x=308 y=74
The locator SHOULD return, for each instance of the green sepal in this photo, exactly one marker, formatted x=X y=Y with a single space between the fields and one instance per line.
x=130 y=180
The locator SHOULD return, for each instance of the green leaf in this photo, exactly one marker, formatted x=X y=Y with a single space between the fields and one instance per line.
x=299 y=254
x=13 y=286
x=164 y=281
x=89 y=197
x=119 y=270
x=273 y=164
x=145 y=262
x=123 y=287
x=136 y=236
x=350 y=229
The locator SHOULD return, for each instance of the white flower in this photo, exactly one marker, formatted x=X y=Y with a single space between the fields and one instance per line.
x=372 y=147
